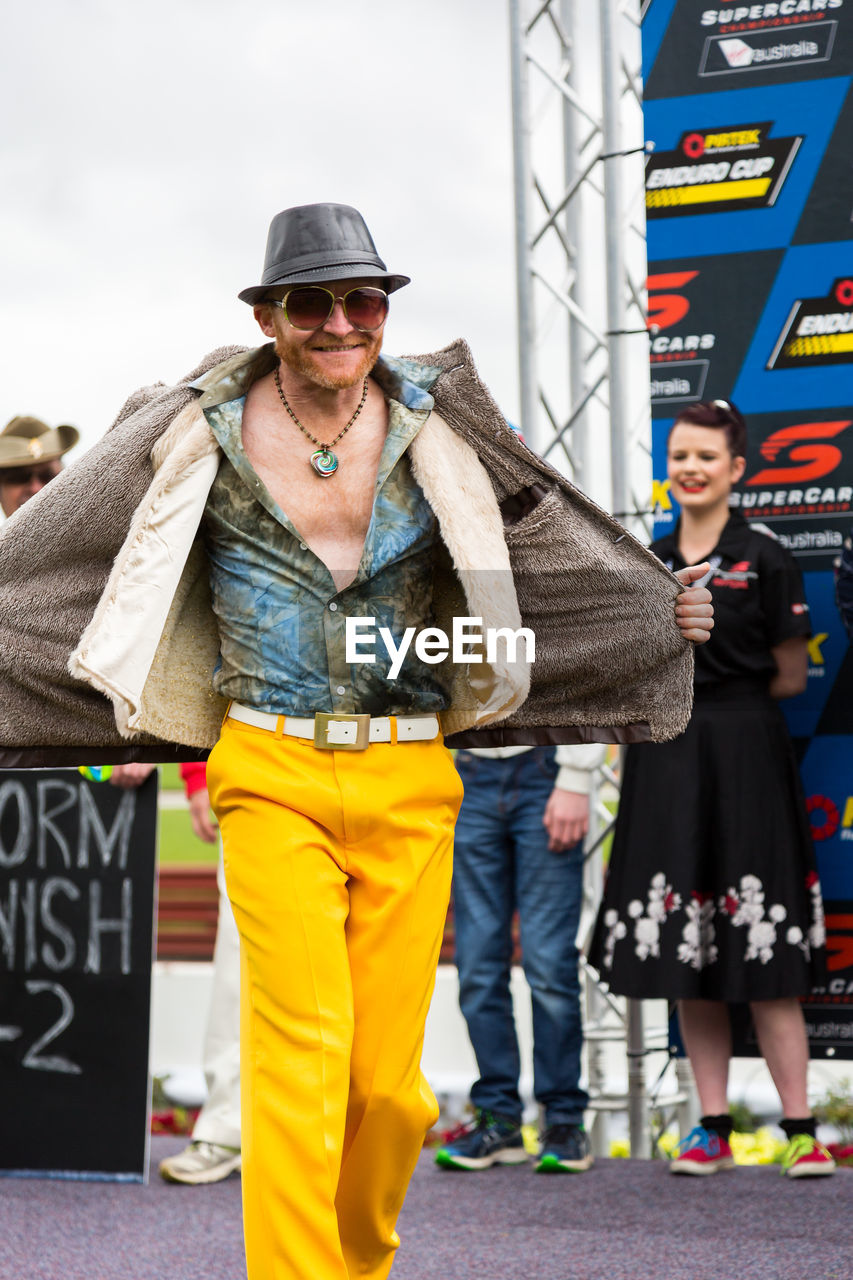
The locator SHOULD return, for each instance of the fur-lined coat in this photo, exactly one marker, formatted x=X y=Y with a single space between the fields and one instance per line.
x=108 y=640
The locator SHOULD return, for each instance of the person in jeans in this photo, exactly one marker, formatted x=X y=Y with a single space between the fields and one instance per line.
x=519 y=844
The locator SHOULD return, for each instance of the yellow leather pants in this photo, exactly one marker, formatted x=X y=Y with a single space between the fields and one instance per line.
x=338 y=868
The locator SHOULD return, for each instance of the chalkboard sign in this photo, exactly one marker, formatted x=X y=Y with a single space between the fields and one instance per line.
x=77 y=862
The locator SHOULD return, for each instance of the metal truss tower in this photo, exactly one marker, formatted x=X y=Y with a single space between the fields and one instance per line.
x=580 y=243
x=583 y=352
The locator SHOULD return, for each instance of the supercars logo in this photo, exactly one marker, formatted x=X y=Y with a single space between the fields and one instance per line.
x=804 y=445
x=817 y=331
x=839 y=945
x=808 y=476
x=717 y=170
x=684 y=376
x=767 y=48
x=781 y=14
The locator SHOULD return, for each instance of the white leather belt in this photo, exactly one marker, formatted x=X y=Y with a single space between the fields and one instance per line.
x=331 y=732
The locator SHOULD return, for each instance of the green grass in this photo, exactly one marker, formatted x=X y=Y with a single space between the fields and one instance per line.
x=170 y=779
x=177 y=842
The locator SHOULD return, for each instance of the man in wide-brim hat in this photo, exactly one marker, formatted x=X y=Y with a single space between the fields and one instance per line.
x=30 y=457
x=319 y=516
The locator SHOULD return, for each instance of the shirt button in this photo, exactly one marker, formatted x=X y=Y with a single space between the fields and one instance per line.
x=333 y=608
x=340 y=689
x=303 y=546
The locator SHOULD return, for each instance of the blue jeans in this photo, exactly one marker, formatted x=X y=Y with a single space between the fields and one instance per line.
x=502 y=861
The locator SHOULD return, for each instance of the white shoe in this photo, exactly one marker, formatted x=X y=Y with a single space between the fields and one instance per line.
x=200 y=1162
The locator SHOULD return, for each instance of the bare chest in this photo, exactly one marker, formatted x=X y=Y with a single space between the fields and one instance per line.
x=332 y=513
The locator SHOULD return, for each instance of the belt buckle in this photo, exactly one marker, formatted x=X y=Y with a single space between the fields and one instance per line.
x=341 y=732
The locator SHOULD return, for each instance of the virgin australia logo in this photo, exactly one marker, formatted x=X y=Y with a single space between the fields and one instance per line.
x=765 y=50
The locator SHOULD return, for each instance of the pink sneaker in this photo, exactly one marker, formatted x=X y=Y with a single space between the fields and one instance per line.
x=702 y=1152
x=805 y=1157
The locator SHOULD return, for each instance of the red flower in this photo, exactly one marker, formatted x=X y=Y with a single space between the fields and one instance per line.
x=730 y=904
x=811 y=879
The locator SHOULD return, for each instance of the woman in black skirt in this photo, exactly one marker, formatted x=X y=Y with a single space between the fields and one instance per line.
x=712 y=895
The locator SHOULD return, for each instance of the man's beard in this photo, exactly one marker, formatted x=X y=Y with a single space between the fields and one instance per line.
x=298 y=358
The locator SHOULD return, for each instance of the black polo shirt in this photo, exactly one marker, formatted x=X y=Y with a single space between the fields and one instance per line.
x=759 y=601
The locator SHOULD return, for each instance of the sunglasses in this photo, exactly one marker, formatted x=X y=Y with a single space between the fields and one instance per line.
x=26 y=475
x=309 y=307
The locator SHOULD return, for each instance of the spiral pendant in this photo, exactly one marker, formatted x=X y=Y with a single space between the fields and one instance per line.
x=324 y=462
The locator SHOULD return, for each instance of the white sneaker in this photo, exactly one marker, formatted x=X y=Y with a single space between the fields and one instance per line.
x=200 y=1162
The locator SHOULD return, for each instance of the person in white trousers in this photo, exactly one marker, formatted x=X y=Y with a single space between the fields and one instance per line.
x=214 y=1149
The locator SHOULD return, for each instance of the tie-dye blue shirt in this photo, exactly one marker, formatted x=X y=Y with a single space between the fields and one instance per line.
x=281 y=618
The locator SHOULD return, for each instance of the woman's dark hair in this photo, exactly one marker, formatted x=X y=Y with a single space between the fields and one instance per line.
x=721 y=414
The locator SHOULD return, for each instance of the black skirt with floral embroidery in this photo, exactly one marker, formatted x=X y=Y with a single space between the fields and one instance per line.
x=712 y=890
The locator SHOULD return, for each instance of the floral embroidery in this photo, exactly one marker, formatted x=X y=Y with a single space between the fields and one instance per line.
x=817 y=929
x=743 y=907
x=698 y=948
x=661 y=902
x=746 y=909
x=616 y=930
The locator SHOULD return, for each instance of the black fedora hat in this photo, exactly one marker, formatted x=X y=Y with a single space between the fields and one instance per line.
x=316 y=242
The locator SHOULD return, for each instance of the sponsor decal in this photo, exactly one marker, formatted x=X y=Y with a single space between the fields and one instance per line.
x=701 y=316
x=685 y=383
x=684 y=376
x=768 y=50
x=817 y=662
x=847 y=820
x=782 y=13
x=799 y=480
x=839 y=944
x=834 y=1026
x=718 y=170
x=823 y=816
x=808 y=501
x=817 y=331
x=803 y=444
x=661 y=495
x=737 y=577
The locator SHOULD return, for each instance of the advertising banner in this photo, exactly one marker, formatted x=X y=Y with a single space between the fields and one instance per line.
x=749 y=203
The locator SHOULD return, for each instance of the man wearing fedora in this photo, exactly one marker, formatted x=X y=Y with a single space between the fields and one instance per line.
x=30 y=457
x=271 y=504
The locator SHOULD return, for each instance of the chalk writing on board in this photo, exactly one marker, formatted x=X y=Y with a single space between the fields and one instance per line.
x=55 y=921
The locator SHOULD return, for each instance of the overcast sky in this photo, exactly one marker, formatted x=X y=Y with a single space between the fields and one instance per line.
x=146 y=147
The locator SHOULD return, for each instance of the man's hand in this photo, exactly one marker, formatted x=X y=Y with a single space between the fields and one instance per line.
x=694 y=612
x=131 y=775
x=200 y=816
x=566 y=819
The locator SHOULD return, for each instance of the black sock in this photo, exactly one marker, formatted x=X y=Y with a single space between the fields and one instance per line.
x=721 y=1125
x=792 y=1127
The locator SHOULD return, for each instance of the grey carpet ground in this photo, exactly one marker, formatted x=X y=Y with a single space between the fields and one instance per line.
x=623 y=1220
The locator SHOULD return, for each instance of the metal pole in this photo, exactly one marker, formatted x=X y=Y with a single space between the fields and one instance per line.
x=614 y=227
x=639 y=1129
x=522 y=184
x=571 y=167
